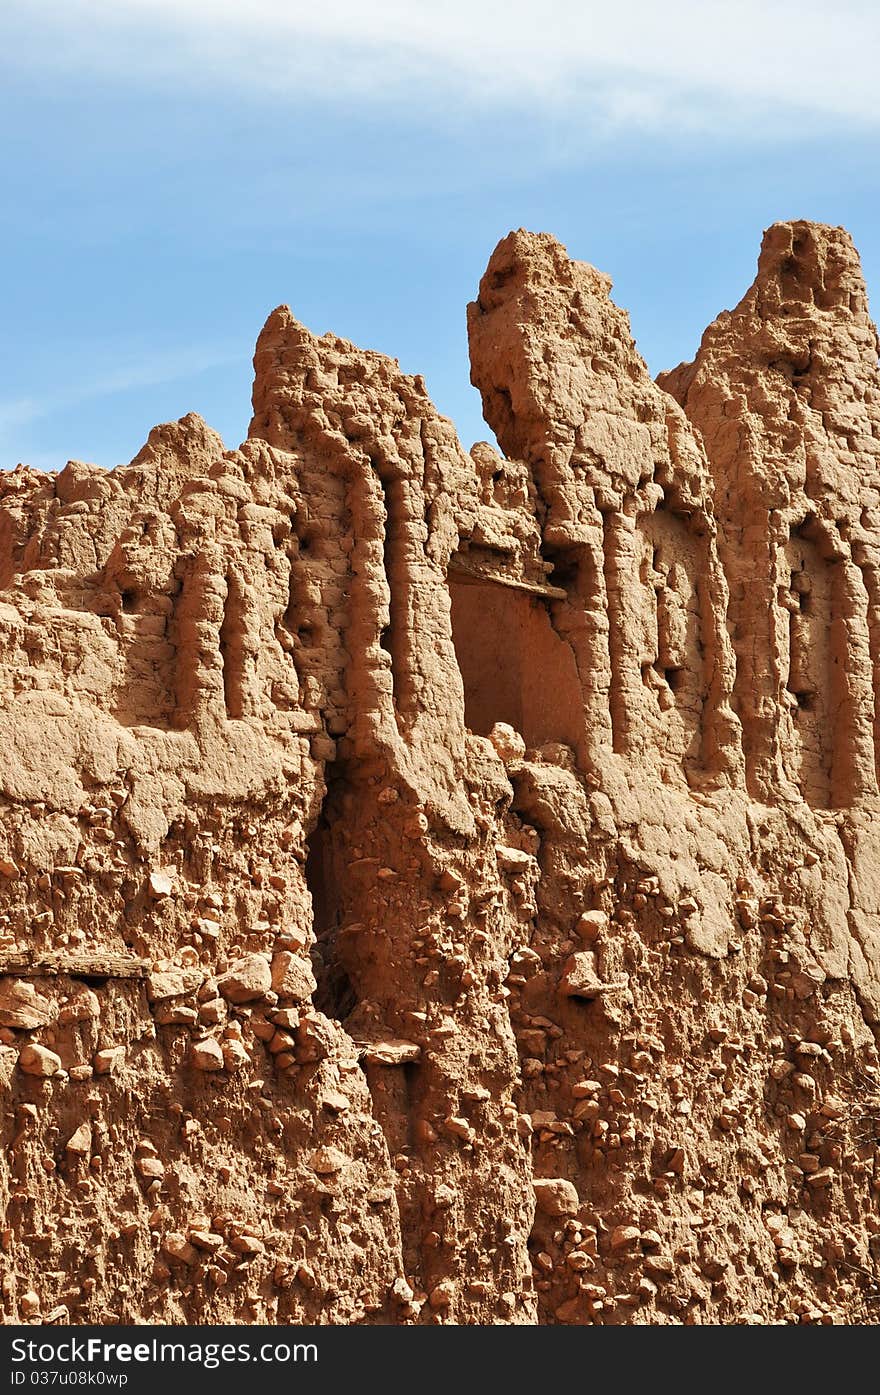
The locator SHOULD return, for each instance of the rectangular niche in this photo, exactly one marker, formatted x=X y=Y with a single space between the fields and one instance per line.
x=514 y=666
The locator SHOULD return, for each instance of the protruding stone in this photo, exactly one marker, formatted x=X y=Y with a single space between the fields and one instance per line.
x=514 y=859
x=177 y=1247
x=507 y=742
x=207 y=1054
x=591 y=925
x=579 y=977
x=556 y=1196
x=22 y=1007
x=391 y=1051
x=326 y=1161
x=108 y=1060
x=442 y=1294
x=80 y=1141
x=235 y=1054
x=292 y=977
x=172 y=983
x=161 y=883
x=150 y=1169
x=247 y=980
x=39 y=1060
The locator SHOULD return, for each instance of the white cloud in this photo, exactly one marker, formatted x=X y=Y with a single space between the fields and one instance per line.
x=692 y=64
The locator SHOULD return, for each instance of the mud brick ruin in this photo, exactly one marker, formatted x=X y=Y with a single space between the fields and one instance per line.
x=442 y=886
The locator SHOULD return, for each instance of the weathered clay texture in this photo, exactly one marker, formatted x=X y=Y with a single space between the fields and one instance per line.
x=445 y=887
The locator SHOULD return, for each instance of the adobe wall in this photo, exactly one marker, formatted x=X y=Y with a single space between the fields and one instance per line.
x=441 y=886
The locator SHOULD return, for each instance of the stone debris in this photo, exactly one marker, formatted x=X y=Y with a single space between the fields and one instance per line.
x=624 y=1237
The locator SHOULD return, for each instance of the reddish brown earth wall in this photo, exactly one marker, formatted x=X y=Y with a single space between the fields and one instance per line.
x=442 y=886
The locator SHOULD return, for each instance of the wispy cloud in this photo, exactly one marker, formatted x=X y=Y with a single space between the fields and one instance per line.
x=108 y=379
x=18 y=411
x=686 y=64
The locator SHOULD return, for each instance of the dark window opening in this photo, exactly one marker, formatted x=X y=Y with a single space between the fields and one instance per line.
x=674 y=678
x=394 y=637
x=566 y=567
x=317 y=857
x=232 y=649
x=813 y=681
x=292 y=603
x=335 y=996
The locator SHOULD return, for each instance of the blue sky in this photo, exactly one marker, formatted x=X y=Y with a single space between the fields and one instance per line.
x=173 y=169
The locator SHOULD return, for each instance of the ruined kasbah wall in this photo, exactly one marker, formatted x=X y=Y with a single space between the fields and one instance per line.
x=442 y=887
